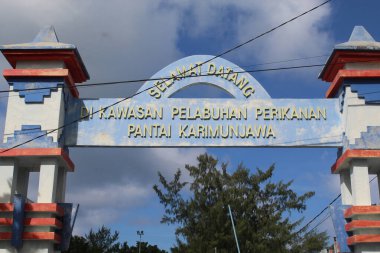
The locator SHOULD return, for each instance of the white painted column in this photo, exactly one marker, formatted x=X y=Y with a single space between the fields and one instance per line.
x=361 y=194
x=8 y=179
x=47 y=187
x=37 y=247
x=345 y=187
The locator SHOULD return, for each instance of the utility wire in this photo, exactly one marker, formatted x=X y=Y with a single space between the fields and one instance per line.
x=169 y=78
x=144 y=90
x=175 y=77
x=283 y=61
x=140 y=80
x=319 y=214
x=269 y=31
x=319 y=223
x=324 y=209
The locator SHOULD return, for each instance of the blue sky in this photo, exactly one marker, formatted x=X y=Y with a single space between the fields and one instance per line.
x=121 y=40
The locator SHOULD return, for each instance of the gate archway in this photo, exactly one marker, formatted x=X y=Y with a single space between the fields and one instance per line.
x=42 y=125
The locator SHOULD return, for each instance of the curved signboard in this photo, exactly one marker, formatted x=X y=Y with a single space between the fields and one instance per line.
x=249 y=119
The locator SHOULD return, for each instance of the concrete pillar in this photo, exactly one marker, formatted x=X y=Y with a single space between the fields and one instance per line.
x=47 y=187
x=361 y=194
x=8 y=179
x=37 y=247
x=61 y=185
x=345 y=187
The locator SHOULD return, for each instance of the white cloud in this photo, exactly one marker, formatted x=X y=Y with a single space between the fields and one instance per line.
x=237 y=21
x=106 y=204
x=109 y=182
x=302 y=37
x=134 y=40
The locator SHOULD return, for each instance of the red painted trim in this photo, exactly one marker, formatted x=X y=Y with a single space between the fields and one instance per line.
x=345 y=73
x=361 y=210
x=35 y=207
x=38 y=222
x=5 y=236
x=339 y=58
x=69 y=163
x=56 y=152
x=9 y=73
x=35 y=73
x=6 y=207
x=72 y=60
x=50 y=222
x=356 y=224
x=354 y=153
x=362 y=239
x=45 y=236
x=6 y=221
x=44 y=208
x=48 y=236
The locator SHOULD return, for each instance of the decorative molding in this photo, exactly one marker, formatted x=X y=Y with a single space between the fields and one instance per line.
x=71 y=58
x=59 y=153
x=29 y=132
x=364 y=238
x=343 y=161
x=35 y=92
x=368 y=91
x=343 y=74
x=42 y=75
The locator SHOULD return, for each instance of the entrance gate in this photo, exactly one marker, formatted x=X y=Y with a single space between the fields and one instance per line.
x=47 y=116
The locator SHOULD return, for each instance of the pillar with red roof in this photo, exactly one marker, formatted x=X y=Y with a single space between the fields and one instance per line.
x=42 y=78
x=353 y=69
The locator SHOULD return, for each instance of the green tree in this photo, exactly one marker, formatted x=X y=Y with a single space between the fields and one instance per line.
x=78 y=244
x=312 y=242
x=104 y=241
x=100 y=241
x=261 y=209
x=145 y=248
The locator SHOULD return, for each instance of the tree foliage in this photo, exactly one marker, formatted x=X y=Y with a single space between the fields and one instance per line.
x=104 y=241
x=261 y=210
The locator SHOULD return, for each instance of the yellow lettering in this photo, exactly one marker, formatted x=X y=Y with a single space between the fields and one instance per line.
x=233 y=77
x=192 y=70
x=241 y=83
x=259 y=112
x=131 y=129
x=220 y=72
x=86 y=113
x=154 y=93
x=228 y=71
x=175 y=112
x=111 y=113
x=322 y=113
x=248 y=91
x=211 y=68
x=181 y=73
x=270 y=132
x=102 y=113
x=182 y=129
